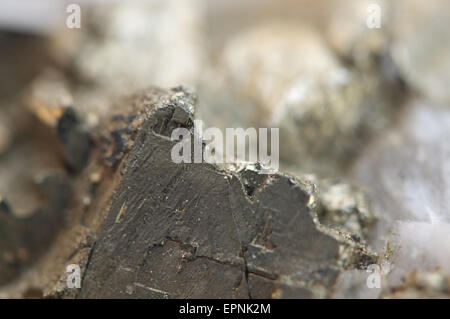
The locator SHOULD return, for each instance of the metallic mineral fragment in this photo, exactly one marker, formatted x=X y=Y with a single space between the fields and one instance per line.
x=360 y=208
x=195 y=231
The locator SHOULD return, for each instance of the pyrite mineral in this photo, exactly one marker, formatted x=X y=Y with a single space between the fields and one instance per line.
x=170 y=230
x=406 y=177
x=194 y=230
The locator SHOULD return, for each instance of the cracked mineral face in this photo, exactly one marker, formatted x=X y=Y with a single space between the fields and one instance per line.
x=225 y=149
x=251 y=230
x=229 y=150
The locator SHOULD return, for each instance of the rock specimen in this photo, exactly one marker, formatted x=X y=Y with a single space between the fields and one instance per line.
x=195 y=231
x=165 y=230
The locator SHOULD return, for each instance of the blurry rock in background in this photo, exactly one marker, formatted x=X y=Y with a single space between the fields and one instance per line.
x=424 y=246
x=131 y=45
x=284 y=75
x=421 y=46
x=337 y=90
x=345 y=208
x=49 y=95
x=268 y=74
x=5 y=133
x=407 y=172
x=407 y=178
x=421 y=284
x=126 y=46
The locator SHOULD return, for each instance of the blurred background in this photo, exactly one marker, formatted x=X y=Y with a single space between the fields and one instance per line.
x=367 y=106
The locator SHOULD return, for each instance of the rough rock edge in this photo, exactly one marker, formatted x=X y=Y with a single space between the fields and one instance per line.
x=352 y=254
x=162 y=109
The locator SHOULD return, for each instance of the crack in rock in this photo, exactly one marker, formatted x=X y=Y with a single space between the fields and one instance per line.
x=224 y=223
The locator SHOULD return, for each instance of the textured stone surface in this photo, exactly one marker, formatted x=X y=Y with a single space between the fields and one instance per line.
x=192 y=230
x=348 y=34
x=24 y=240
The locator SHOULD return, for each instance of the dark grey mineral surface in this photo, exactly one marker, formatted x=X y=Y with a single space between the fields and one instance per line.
x=195 y=231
